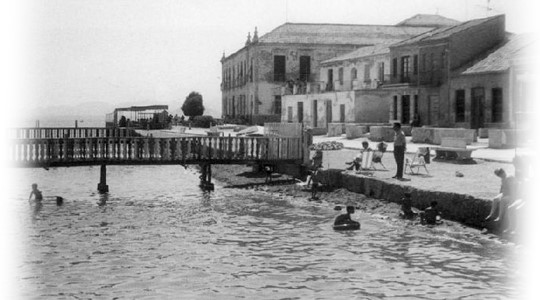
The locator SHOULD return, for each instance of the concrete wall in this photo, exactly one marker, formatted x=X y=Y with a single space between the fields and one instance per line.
x=458 y=207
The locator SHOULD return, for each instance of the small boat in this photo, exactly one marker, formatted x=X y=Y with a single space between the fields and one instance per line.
x=347 y=226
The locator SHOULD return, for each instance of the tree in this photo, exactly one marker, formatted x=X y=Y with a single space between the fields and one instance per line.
x=193 y=105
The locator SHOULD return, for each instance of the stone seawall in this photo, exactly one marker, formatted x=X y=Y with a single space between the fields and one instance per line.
x=462 y=208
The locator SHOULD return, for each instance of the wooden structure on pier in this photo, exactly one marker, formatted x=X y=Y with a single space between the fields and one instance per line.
x=144 y=117
x=60 y=148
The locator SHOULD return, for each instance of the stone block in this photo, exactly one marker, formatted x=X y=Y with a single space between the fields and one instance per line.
x=423 y=135
x=407 y=130
x=355 y=131
x=335 y=129
x=319 y=131
x=381 y=133
x=469 y=135
x=433 y=135
x=502 y=138
x=483 y=133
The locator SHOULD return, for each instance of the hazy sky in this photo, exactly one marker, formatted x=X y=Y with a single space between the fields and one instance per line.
x=156 y=52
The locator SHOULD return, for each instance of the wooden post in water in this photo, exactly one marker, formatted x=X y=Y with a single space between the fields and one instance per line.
x=102 y=185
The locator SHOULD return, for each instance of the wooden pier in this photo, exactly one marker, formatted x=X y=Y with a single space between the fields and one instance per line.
x=65 y=147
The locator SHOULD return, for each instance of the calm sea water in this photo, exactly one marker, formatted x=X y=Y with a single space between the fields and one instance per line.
x=156 y=235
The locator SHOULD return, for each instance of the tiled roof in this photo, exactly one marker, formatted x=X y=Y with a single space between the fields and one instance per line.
x=445 y=32
x=359 y=53
x=500 y=59
x=428 y=21
x=345 y=34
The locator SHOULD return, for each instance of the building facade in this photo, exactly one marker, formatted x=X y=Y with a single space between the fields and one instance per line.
x=349 y=87
x=348 y=91
x=493 y=92
x=423 y=66
x=256 y=77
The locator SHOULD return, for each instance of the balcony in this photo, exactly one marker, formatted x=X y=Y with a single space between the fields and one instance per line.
x=300 y=88
x=426 y=78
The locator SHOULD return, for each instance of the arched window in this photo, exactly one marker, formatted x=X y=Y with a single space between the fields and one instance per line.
x=354 y=74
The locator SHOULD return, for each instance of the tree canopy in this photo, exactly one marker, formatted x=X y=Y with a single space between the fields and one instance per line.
x=193 y=105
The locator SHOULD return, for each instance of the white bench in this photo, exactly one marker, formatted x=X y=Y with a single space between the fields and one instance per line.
x=453 y=149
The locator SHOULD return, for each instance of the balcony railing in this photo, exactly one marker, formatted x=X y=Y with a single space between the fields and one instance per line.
x=431 y=78
x=301 y=88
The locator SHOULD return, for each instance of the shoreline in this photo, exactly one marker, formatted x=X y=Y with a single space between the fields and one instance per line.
x=242 y=177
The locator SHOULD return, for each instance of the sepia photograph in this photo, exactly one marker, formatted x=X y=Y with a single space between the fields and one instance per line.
x=269 y=149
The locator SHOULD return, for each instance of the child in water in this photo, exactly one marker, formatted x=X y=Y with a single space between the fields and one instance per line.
x=345 y=218
x=406 y=206
x=36 y=193
x=431 y=216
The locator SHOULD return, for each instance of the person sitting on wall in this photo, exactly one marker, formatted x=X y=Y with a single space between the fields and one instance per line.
x=431 y=215
x=514 y=212
x=506 y=196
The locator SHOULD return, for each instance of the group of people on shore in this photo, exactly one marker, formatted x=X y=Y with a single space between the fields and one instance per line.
x=505 y=208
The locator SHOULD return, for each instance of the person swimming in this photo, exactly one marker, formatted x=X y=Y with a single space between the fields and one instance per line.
x=36 y=193
x=344 y=221
x=345 y=218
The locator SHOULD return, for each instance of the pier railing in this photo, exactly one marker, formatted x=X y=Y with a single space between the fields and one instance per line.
x=37 y=152
x=60 y=133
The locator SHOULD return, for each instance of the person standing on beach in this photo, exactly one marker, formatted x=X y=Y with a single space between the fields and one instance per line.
x=399 y=150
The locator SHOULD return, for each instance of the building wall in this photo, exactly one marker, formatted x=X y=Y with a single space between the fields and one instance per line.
x=238 y=88
x=264 y=90
x=372 y=106
x=488 y=82
x=268 y=88
x=365 y=79
x=362 y=106
x=436 y=60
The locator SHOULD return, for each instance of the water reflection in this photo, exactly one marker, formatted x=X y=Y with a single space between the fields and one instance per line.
x=165 y=238
x=103 y=198
x=35 y=207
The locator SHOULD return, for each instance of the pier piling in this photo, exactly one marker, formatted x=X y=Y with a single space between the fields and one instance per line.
x=206 y=177
x=102 y=185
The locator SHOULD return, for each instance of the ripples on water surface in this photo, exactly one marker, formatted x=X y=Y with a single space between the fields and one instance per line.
x=156 y=236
